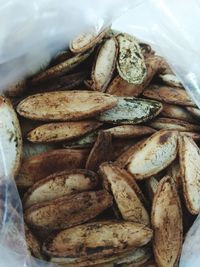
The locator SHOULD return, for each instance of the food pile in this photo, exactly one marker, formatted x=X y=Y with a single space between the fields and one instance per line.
x=109 y=171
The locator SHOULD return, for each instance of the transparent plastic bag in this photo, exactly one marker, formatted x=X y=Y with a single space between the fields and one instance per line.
x=163 y=23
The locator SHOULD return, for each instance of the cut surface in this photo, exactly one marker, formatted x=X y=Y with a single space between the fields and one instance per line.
x=167 y=224
x=154 y=154
x=10 y=140
x=130 y=131
x=173 y=124
x=126 y=193
x=64 y=106
x=40 y=166
x=60 y=184
x=171 y=95
x=130 y=110
x=189 y=156
x=104 y=65
x=61 y=131
x=96 y=239
x=130 y=64
x=85 y=41
x=67 y=211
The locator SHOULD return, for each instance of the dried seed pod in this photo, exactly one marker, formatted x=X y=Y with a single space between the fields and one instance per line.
x=154 y=154
x=96 y=240
x=166 y=220
x=67 y=211
x=130 y=110
x=189 y=156
x=127 y=194
x=130 y=131
x=173 y=124
x=61 y=68
x=86 y=141
x=130 y=64
x=176 y=112
x=40 y=166
x=10 y=139
x=85 y=41
x=104 y=65
x=195 y=112
x=64 y=106
x=32 y=243
x=62 y=131
x=171 y=95
x=171 y=80
x=60 y=184
x=101 y=151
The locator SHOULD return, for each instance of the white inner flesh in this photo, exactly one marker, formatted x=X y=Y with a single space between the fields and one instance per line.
x=8 y=149
x=104 y=63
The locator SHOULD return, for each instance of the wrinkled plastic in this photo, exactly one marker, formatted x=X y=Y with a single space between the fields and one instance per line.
x=32 y=31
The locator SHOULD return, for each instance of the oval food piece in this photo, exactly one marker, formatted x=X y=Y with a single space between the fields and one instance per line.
x=67 y=211
x=126 y=193
x=40 y=166
x=85 y=41
x=195 y=112
x=154 y=154
x=189 y=157
x=129 y=131
x=166 y=220
x=61 y=131
x=96 y=240
x=130 y=63
x=120 y=87
x=130 y=110
x=64 y=106
x=61 y=68
x=170 y=79
x=32 y=243
x=101 y=151
x=173 y=124
x=169 y=95
x=10 y=139
x=60 y=184
x=104 y=65
x=135 y=258
x=176 y=112
x=86 y=141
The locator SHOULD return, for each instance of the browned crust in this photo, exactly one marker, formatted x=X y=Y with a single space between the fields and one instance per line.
x=163 y=181
x=91 y=175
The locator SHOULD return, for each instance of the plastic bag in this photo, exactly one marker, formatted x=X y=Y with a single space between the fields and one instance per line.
x=23 y=40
